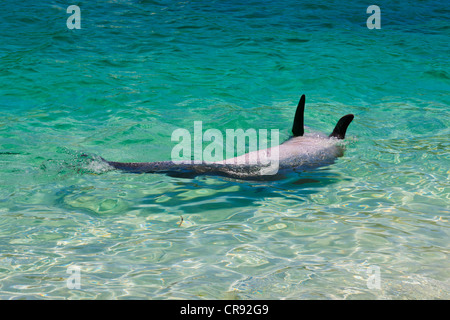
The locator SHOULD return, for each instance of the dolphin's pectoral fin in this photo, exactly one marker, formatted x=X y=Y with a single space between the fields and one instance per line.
x=341 y=126
x=297 y=128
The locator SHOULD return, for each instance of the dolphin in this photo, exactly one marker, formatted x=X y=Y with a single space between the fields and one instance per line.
x=301 y=151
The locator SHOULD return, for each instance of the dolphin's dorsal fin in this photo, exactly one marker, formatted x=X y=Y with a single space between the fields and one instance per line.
x=341 y=126
x=297 y=128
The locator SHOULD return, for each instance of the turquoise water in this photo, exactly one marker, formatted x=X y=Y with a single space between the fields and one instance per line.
x=137 y=70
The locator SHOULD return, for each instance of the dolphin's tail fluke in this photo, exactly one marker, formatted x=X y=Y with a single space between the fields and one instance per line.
x=297 y=128
x=341 y=126
x=189 y=169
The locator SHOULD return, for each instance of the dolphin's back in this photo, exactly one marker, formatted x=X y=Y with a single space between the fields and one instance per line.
x=188 y=168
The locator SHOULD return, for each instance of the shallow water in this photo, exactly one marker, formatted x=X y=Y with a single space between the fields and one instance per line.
x=137 y=70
